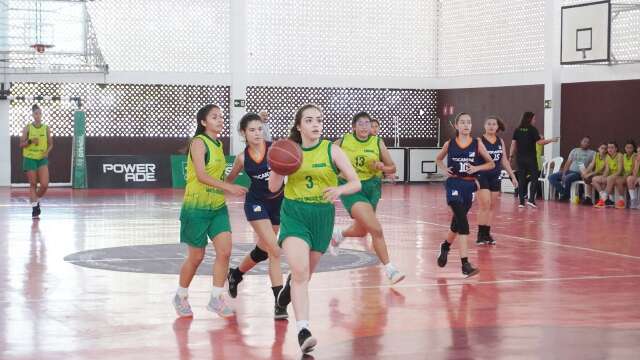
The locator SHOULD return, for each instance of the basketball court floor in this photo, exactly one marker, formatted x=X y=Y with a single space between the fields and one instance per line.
x=94 y=278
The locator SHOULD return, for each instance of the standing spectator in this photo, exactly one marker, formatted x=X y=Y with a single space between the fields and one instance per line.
x=579 y=159
x=264 y=116
x=525 y=138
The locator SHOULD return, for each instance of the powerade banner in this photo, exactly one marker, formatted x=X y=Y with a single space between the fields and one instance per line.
x=179 y=171
x=128 y=171
x=79 y=175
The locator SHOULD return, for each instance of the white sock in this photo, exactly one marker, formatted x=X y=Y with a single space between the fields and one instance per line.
x=34 y=204
x=182 y=292
x=302 y=324
x=612 y=197
x=389 y=268
x=632 y=194
x=603 y=195
x=216 y=292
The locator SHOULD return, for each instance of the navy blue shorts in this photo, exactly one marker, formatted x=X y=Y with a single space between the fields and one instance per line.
x=255 y=209
x=490 y=181
x=460 y=191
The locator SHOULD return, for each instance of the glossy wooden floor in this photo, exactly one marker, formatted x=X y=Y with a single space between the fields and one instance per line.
x=563 y=282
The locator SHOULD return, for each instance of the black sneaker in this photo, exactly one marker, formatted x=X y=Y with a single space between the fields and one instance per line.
x=284 y=296
x=234 y=280
x=609 y=203
x=468 y=270
x=280 y=313
x=35 y=211
x=482 y=240
x=306 y=340
x=444 y=251
x=587 y=201
x=490 y=240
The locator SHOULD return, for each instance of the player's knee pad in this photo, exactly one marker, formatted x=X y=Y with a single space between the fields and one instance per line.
x=258 y=255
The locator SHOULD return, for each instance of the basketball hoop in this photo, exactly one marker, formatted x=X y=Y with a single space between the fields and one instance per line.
x=40 y=48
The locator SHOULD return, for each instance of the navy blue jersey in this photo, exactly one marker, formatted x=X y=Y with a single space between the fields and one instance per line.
x=258 y=172
x=459 y=159
x=496 y=152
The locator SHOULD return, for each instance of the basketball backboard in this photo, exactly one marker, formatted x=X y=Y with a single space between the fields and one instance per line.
x=586 y=33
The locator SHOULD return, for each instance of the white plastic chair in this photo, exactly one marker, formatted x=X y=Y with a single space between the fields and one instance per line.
x=575 y=188
x=549 y=167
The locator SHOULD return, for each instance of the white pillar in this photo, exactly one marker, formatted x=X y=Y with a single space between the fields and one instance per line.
x=5 y=144
x=238 y=67
x=553 y=78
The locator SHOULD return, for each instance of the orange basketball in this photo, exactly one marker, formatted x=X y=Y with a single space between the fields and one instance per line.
x=284 y=157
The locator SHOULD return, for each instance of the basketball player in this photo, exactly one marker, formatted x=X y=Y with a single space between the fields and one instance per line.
x=370 y=158
x=595 y=169
x=463 y=154
x=261 y=208
x=633 y=180
x=490 y=180
x=612 y=171
x=204 y=212
x=308 y=213
x=36 y=143
x=375 y=127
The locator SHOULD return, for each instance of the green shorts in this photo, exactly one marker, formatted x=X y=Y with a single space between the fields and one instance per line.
x=197 y=227
x=370 y=193
x=312 y=223
x=29 y=164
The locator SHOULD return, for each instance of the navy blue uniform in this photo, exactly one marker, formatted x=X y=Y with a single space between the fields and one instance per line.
x=490 y=180
x=259 y=202
x=462 y=185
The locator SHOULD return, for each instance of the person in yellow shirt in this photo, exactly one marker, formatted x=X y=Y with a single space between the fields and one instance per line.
x=36 y=143
x=593 y=170
x=371 y=159
x=307 y=214
x=633 y=181
x=612 y=170
x=204 y=215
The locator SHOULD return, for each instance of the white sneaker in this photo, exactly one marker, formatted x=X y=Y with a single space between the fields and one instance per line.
x=336 y=239
x=532 y=204
x=183 y=309
x=395 y=276
x=219 y=306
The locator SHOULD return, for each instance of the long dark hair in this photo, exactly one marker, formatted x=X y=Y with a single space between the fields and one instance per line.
x=295 y=135
x=456 y=119
x=247 y=118
x=501 y=126
x=202 y=116
x=630 y=141
x=526 y=119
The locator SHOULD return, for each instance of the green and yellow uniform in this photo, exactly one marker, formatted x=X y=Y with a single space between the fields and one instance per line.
x=362 y=154
x=613 y=163
x=627 y=163
x=305 y=213
x=33 y=154
x=204 y=212
x=599 y=165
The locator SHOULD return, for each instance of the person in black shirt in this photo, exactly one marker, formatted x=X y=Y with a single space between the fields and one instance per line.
x=525 y=138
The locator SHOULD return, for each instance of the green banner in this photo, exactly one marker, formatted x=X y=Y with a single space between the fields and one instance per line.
x=179 y=171
x=79 y=172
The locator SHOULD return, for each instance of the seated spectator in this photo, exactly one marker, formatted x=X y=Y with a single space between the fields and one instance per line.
x=577 y=161
x=633 y=181
x=612 y=170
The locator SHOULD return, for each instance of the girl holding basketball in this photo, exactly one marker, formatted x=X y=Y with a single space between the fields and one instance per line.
x=204 y=212
x=308 y=213
x=490 y=180
x=261 y=207
x=370 y=158
x=463 y=154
